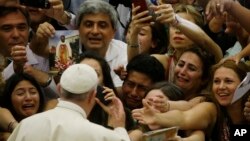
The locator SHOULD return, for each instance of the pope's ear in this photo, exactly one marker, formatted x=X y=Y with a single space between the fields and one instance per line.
x=91 y=95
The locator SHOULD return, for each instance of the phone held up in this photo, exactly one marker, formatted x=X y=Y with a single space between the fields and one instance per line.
x=44 y=4
x=100 y=95
x=142 y=3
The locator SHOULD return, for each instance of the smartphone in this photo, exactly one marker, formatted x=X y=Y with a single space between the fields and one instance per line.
x=142 y=3
x=100 y=95
x=44 y=4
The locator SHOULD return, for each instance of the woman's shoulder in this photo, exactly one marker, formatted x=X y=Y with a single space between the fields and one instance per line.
x=163 y=59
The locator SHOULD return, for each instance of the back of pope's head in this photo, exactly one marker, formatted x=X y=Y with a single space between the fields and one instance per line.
x=78 y=79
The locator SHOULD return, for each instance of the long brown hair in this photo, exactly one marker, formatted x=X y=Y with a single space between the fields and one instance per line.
x=223 y=118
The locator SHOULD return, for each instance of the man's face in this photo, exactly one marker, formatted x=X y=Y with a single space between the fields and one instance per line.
x=134 y=89
x=14 y=30
x=96 y=31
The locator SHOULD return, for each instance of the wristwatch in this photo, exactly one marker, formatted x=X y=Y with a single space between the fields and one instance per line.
x=47 y=82
x=68 y=16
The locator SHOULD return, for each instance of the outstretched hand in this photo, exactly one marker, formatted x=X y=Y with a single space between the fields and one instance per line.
x=236 y=58
x=217 y=7
x=160 y=103
x=145 y=115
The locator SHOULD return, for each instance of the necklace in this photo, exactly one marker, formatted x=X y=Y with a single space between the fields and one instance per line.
x=225 y=131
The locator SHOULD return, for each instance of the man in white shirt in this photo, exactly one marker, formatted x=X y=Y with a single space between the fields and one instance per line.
x=68 y=121
x=97 y=24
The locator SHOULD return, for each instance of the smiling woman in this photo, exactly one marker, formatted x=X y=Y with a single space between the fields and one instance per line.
x=226 y=76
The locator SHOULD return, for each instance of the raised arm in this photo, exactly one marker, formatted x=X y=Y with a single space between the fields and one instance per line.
x=167 y=105
x=39 y=43
x=190 y=29
x=233 y=7
x=138 y=21
x=199 y=37
x=204 y=112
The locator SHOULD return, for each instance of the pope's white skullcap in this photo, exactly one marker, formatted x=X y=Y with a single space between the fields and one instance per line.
x=79 y=78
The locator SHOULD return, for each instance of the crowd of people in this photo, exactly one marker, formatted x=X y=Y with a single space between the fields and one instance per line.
x=177 y=64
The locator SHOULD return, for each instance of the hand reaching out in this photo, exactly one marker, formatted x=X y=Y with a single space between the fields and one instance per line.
x=160 y=103
x=217 y=7
x=237 y=57
x=145 y=115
